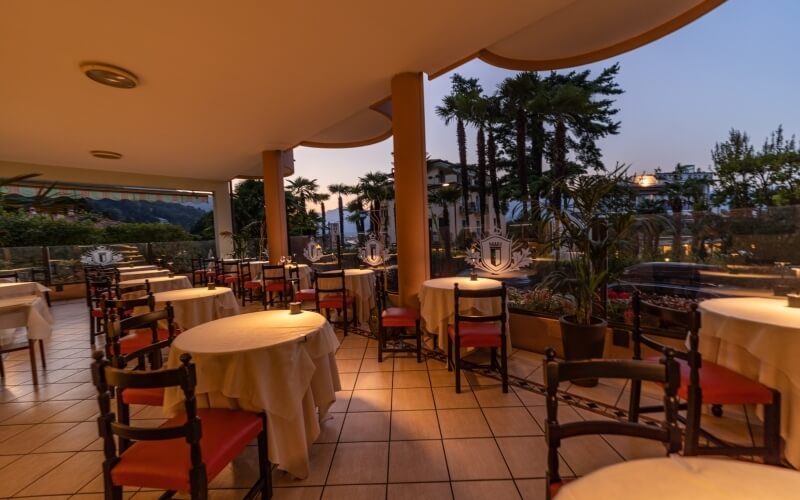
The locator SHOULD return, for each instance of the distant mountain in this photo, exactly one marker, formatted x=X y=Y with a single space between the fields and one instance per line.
x=349 y=227
x=148 y=211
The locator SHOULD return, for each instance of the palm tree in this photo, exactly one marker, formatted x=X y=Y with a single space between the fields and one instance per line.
x=377 y=188
x=444 y=197
x=456 y=106
x=580 y=112
x=321 y=198
x=479 y=116
x=339 y=190
x=303 y=189
x=515 y=94
x=357 y=215
x=493 y=117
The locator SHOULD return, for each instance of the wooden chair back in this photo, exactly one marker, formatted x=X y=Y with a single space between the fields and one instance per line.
x=117 y=328
x=490 y=293
x=666 y=372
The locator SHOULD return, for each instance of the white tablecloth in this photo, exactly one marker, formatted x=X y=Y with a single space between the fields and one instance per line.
x=676 y=477
x=360 y=283
x=195 y=306
x=144 y=267
x=266 y=361
x=759 y=338
x=158 y=284
x=437 y=307
x=30 y=311
x=304 y=272
x=22 y=288
x=147 y=273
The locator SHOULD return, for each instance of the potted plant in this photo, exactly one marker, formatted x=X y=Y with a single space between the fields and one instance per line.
x=589 y=224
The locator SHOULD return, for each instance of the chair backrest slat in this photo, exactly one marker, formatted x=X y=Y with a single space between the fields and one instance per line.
x=460 y=316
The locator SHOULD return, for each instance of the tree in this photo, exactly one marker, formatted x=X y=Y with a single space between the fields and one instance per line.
x=321 y=198
x=734 y=163
x=304 y=190
x=339 y=190
x=444 y=197
x=377 y=188
x=580 y=112
x=457 y=106
x=479 y=117
x=683 y=189
x=357 y=215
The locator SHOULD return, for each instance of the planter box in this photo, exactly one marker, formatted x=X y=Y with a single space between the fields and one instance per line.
x=533 y=332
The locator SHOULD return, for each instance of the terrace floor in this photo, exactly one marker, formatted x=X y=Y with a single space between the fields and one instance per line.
x=398 y=430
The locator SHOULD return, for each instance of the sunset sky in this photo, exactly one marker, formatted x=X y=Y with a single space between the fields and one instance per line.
x=734 y=68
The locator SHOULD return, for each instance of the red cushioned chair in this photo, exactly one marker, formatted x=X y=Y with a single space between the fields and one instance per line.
x=487 y=331
x=250 y=283
x=229 y=274
x=331 y=293
x=199 y=271
x=274 y=282
x=129 y=333
x=702 y=382
x=301 y=294
x=98 y=287
x=187 y=451
x=664 y=372
x=397 y=320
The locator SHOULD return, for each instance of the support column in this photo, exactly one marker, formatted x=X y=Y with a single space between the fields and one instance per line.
x=275 y=205
x=222 y=219
x=411 y=186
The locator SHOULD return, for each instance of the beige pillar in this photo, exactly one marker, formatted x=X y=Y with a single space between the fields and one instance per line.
x=222 y=219
x=275 y=209
x=411 y=186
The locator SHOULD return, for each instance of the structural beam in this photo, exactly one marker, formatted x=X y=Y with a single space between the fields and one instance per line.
x=411 y=186
x=275 y=205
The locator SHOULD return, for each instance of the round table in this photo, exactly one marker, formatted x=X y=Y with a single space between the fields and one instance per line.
x=147 y=273
x=144 y=267
x=759 y=338
x=195 y=306
x=157 y=284
x=360 y=283
x=437 y=307
x=677 y=477
x=304 y=272
x=269 y=361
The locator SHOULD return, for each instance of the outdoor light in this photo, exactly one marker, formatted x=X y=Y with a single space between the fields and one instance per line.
x=112 y=76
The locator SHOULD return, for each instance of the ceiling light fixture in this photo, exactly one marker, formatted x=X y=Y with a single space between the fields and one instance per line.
x=106 y=155
x=112 y=76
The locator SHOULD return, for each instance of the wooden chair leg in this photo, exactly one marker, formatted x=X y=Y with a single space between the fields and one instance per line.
x=41 y=353
x=449 y=355
x=635 y=401
x=32 y=352
x=263 y=461
x=419 y=342
x=693 y=414
x=457 y=356
x=380 y=341
x=504 y=356
x=772 y=430
x=2 y=368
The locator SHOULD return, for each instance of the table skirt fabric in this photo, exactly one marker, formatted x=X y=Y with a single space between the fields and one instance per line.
x=763 y=352
x=198 y=310
x=148 y=273
x=157 y=284
x=304 y=272
x=360 y=283
x=294 y=382
x=8 y=290
x=27 y=311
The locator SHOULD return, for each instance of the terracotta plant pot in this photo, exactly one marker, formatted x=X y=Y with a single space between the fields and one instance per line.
x=583 y=342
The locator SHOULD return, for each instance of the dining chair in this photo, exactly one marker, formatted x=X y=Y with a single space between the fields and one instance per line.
x=274 y=282
x=478 y=330
x=664 y=372
x=331 y=293
x=187 y=451
x=142 y=343
x=199 y=271
x=129 y=331
x=97 y=289
x=9 y=276
x=301 y=294
x=397 y=320
x=229 y=274
x=249 y=282
x=702 y=382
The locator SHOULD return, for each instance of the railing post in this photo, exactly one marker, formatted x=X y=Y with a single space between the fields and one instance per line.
x=48 y=280
x=149 y=253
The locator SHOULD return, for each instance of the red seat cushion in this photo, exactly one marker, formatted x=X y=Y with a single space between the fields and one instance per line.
x=477 y=334
x=165 y=464
x=150 y=397
x=399 y=316
x=97 y=313
x=722 y=386
x=139 y=339
x=253 y=284
x=305 y=295
x=335 y=301
x=199 y=271
x=231 y=279
x=276 y=287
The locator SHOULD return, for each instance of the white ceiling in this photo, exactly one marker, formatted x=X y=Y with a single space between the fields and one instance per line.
x=222 y=81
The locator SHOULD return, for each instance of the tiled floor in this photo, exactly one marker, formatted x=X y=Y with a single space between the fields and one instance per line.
x=398 y=430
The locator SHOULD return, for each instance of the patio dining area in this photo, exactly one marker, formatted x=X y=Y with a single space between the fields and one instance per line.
x=397 y=429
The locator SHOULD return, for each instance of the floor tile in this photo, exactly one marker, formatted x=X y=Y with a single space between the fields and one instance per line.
x=415 y=461
x=25 y=470
x=412 y=399
x=472 y=459
x=511 y=421
x=354 y=492
x=410 y=379
x=68 y=477
x=447 y=398
x=371 y=400
x=330 y=428
x=297 y=493
x=532 y=489
x=359 y=463
x=415 y=424
x=493 y=396
x=485 y=490
x=374 y=380
x=463 y=423
x=367 y=426
x=419 y=491
x=32 y=438
x=320 y=458
x=75 y=439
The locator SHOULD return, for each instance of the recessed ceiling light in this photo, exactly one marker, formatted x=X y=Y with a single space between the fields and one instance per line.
x=112 y=76
x=106 y=155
